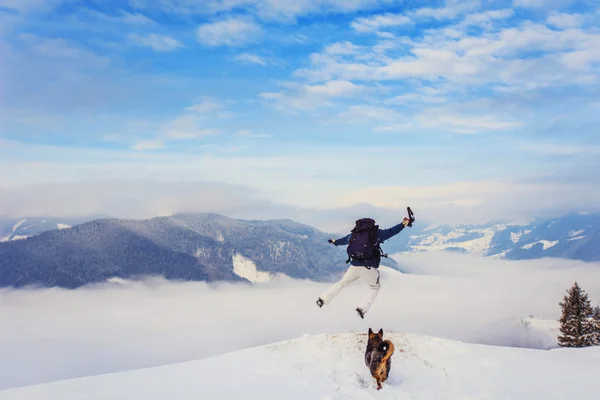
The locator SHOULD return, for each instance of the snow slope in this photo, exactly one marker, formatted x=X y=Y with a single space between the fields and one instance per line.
x=14 y=229
x=331 y=367
x=545 y=243
x=473 y=240
x=246 y=268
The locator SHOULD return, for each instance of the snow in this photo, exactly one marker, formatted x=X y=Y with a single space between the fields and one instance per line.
x=550 y=327
x=246 y=268
x=481 y=245
x=14 y=229
x=277 y=249
x=501 y=255
x=201 y=252
x=545 y=243
x=331 y=366
x=515 y=236
x=63 y=226
x=18 y=224
x=19 y=237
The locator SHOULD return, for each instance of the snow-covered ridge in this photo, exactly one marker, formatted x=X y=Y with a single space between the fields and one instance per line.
x=436 y=241
x=26 y=228
x=545 y=243
x=515 y=236
x=331 y=366
x=11 y=235
x=246 y=268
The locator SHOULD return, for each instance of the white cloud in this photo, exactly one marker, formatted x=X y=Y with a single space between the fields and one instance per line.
x=485 y=18
x=30 y=6
x=370 y=24
x=132 y=198
x=156 y=42
x=343 y=48
x=334 y=88
x=124 y=17
x=449 y=55
x=561 y=149
x=189 y=125
x=268 y=10
x=294 y=101
x=565 y=21
x=233 y=31
x=251 y=59
x=184 y=127
x=109 y=328
x=366 y=114
x=58 y=48
x=464 y=124
x=425 y=94
x=529 y=3
x=437 y=119
x=148 y=145
x=310 y=97
x=252 y=135
x=452 y=9
x=210 y=107
x=468 y=201
x=407 y=127
x=547 y=4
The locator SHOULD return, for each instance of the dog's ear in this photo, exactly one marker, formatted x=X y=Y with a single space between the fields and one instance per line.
x=370 y=331
x=381 y=332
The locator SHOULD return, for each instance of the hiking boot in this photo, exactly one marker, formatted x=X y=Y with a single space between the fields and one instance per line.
x=320 y=303
x=360 y=312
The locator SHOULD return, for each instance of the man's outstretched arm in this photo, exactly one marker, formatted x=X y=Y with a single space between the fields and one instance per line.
x=385 y=234
x=341 y=241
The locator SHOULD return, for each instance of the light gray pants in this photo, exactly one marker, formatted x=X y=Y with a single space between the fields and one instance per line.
x=370 y=276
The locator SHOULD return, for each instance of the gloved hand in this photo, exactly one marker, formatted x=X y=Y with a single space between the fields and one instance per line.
x=331 y=241
x=405 y=221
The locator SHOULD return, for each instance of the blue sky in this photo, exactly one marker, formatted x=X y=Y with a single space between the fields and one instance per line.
x=467 y=110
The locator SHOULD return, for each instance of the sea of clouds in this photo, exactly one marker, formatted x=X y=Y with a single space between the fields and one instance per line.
x=52 y=334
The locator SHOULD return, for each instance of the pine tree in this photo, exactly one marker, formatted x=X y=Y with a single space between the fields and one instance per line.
x=577 y=325
x=596 y=318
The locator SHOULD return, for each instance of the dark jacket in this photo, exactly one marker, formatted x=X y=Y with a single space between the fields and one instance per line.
x=384 y=234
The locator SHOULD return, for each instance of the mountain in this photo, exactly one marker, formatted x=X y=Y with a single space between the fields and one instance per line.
x=572 y=236
x=331 y=366
x=576 y=236
x=206 y=247
x=22 y=228
x=213 y=247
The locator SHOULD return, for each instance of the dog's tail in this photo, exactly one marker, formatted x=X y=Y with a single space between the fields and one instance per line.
x=387 y=347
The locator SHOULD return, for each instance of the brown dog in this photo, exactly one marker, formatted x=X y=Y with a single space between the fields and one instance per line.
x=378 y=356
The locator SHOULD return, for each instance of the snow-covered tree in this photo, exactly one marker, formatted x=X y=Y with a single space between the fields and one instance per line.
x=596 y=318
x=577 y=325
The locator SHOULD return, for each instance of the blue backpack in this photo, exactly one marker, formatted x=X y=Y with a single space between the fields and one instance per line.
x=364 y=241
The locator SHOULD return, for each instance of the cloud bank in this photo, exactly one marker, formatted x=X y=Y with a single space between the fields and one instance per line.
x=475 y=202
x=53 y=334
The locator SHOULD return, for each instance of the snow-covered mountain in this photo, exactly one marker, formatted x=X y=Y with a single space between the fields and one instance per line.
x=205 y=247
x=214 y=247
x=331 y=366
x=22 y=228
x=573 y=236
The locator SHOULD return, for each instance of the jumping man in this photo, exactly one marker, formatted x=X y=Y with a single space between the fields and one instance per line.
x=364 y=256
